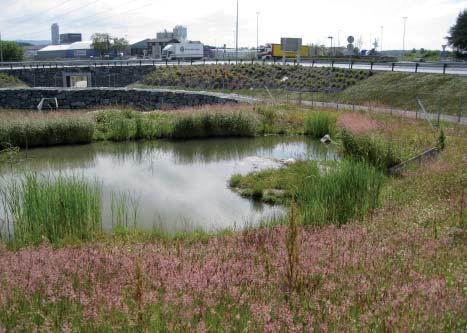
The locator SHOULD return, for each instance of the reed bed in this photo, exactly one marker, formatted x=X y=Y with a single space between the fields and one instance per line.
x=214 y=124
x=46 y=131
x=318 y=124
x=52 y=209
x=344 y=192
x=371 y=149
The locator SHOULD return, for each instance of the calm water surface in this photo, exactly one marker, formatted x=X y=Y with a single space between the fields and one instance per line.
x=178 y=185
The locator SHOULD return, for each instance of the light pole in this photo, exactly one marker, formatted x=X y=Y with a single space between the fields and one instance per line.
x=381 y=42
x=1 y=48
x=331 y=50
x=236 y=37
x=257 y=31
x=403 y=38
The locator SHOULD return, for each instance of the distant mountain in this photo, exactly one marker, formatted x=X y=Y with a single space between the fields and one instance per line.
x=34 y=42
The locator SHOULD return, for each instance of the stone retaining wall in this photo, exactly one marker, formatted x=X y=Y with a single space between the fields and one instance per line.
x=105 y=76
x=29 y=98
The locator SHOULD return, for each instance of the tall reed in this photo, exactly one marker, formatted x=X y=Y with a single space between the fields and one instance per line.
x=47 y=132
x=214 y=124
x=52 y=208
x=370 y=149
x=318 y=124
x=344 y=192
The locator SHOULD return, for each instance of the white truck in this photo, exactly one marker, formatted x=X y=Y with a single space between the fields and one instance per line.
x=183 y=51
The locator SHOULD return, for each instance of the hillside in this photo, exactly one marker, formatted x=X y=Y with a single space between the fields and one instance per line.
x=400 y=90
x=247 y=76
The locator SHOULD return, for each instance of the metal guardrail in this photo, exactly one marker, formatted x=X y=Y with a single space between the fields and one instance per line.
x=415 y=67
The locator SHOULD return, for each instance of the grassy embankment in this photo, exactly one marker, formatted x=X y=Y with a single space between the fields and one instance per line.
x=7 y=81
x=396 y=90
x=400 y=268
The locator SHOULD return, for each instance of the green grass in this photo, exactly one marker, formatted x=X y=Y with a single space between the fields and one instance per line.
x=335 y=196
x=400 y=90
x=247 y=76
x=371 y=149
x=54 y=209
x=319 y=124
x=331 y=193
x=7 y=81
x=207 y=124
x=46 y=131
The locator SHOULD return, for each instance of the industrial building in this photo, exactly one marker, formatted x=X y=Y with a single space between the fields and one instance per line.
x=70 y=38
x=55 y=34
x=151 y=48
x=74 y=50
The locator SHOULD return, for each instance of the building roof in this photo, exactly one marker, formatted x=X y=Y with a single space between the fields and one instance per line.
x=64 y=47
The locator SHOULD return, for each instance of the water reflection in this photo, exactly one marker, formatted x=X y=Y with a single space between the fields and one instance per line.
x=180 y=184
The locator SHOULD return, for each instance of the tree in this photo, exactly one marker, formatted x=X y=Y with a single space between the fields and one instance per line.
x=11 y=51
x=119 y=44
x=104 y=43
x=458 y=32
x=101 y=43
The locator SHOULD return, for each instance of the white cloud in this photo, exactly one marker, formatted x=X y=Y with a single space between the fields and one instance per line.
x=213 y=21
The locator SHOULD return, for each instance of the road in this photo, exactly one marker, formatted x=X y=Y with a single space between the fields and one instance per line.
x=407 y=67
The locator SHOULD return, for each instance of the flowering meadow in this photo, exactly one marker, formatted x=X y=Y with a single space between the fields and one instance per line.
x=400 y=268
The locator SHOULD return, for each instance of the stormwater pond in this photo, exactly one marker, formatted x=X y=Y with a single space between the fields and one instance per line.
x=172 y=185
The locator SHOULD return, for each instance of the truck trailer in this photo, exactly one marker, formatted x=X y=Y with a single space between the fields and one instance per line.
x=183 y=51
x=274 y=51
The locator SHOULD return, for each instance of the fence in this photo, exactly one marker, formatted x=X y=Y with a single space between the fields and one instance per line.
x=457 y=68
x=435 y=107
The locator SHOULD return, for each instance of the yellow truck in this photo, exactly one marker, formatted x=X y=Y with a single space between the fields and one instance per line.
x=274 y=51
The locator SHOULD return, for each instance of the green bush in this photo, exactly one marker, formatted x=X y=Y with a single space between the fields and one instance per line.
x=52 y=209
x=47 y=132
x=370 y=149
x=346 y=191
x=7 y=81
x=214 y=124
x=318 y=124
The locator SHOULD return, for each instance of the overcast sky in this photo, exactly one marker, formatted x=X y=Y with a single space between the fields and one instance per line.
x=213 y=21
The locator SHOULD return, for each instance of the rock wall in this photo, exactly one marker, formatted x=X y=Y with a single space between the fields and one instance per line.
x=105 y=76
x=144 y=99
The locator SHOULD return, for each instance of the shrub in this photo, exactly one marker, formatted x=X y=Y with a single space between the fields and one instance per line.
x=346 y=191
x=47 y=132
x=370 y=149
x=52 y=209
x=318 y=124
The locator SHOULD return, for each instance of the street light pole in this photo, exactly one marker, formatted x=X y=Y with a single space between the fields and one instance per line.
x=403 y=38
x=381 y=42
x=236 y=37
x=1 y=48
x=257 y=31
x=331 y=50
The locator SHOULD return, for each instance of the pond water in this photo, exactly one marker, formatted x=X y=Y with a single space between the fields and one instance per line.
x=178 y=185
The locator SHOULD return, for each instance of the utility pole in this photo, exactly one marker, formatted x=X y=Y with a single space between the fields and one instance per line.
x=403 y=38
x=257 y=31
x=331 y=50
x=381 y=42
x=1 y=48
x=236 y=37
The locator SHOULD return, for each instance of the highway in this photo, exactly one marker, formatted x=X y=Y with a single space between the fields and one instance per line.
x=453 y=68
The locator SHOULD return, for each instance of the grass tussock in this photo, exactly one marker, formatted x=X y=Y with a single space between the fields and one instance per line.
x=346 y=191
x=371 y=149
x=52 y=209
x=32 y=132
x=318 y=124
x=207 y=124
